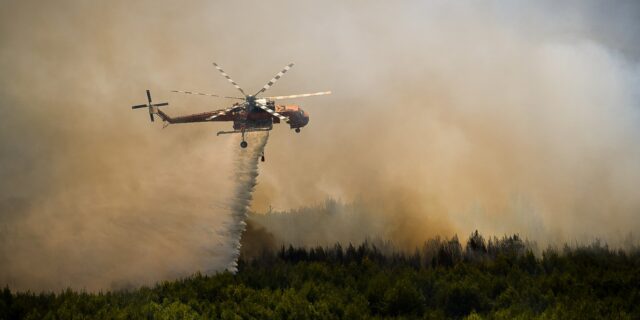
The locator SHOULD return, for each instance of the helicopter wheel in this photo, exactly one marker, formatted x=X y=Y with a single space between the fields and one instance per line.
x=297 y=130
x=243 y=144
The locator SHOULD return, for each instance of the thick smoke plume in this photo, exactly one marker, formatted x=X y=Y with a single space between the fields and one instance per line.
x=446 y=117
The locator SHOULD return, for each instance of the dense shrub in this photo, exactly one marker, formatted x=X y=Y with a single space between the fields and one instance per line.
x=497 y=279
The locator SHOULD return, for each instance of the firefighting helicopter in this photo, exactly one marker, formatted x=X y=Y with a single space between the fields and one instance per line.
x=249 y=114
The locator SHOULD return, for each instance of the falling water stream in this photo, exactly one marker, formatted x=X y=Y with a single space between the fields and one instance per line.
x=245 y=175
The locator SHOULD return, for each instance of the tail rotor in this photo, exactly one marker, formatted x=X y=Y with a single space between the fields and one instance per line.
x=153 y=108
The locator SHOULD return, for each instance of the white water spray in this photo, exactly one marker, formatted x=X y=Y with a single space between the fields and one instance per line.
x=245 y=175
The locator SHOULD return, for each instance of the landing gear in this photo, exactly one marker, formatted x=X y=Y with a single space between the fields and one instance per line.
x=297 y=130
x=243 y=144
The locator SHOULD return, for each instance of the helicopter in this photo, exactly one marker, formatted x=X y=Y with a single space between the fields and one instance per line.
x=251 y=113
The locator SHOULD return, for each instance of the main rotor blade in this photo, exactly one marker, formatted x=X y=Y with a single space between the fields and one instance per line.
x=140 y=106
x=149 y=96
x=225 y=111
x=151 y=116
x=273 y=81
x=229 y=78
x=262 y=106
x=299 y=95
x=206 y=94
x=160 y=104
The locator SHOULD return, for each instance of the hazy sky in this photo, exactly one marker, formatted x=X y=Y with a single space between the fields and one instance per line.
x=507 y=117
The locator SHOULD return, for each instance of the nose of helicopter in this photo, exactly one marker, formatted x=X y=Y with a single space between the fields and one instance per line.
x=304 y=119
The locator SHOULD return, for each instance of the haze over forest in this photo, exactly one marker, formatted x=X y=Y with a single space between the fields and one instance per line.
x=505 y=117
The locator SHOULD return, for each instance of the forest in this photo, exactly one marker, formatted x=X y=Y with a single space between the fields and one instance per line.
x=498 y=278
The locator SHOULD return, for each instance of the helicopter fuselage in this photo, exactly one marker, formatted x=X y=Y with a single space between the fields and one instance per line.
x=257 y=117
x=254 y=118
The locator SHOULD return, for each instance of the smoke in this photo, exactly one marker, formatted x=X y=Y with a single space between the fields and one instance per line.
x=446 y=118
x=245 y=176
x=460 y=117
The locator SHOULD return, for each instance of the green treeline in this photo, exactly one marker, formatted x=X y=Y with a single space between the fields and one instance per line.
x=497 y=279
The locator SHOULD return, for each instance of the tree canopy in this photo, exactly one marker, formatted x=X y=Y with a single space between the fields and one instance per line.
x=496 y=279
